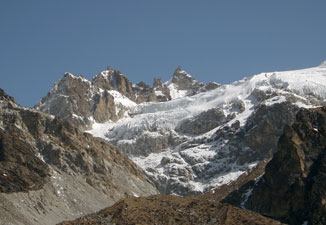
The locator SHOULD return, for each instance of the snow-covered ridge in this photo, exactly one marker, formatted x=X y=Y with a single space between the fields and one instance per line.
x=180 y=159
x=110 y=96
x=305 y=83
x=167 y=115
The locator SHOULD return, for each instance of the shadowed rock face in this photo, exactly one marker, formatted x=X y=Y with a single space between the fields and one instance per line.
x=20 y=169
x=265 y=126
x=163 y=209
x=293 y=188
x=203 y=122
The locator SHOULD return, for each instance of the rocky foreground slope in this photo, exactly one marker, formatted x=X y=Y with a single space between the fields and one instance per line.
x=293 y=188
x=51 y=171
x=168 y=209
x=205 y=135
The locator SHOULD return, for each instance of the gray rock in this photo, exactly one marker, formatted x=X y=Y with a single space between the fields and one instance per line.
x=203 y=122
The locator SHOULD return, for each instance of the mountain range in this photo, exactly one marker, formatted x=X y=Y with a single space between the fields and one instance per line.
x=88 y=144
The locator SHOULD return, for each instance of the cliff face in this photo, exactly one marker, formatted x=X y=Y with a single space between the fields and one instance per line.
x=20 y=169
x=51 y=170
x=293 y=188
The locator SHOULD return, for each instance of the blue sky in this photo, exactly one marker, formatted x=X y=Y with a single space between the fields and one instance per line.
x=220 y=41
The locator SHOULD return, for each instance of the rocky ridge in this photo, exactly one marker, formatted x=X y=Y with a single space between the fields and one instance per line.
x=110 y=95
x=51 y=171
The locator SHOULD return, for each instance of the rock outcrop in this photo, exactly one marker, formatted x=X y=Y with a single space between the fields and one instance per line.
x=20 y=168
x=202 y=122
x=51 y=171
x=184 y=81
x=293 y=188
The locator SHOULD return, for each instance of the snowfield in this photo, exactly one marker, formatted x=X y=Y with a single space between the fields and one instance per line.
x=189 y=163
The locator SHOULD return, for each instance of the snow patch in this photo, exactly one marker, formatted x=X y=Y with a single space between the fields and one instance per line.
x=120 y=99
x=246 y=197
x=175 y=93
x=274 y=100
x=159 y=93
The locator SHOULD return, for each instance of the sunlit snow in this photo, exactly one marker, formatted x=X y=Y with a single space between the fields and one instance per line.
x=159 y=118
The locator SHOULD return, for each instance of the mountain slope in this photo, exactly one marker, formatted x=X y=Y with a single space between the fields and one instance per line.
x=51 y=171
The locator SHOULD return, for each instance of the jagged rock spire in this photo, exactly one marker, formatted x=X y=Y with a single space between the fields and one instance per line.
x=182 y=79
x=5 y=97
x=109 y=68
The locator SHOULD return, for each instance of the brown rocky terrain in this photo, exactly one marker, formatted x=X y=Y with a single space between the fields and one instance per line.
x=169 y=209
x=51 y=171
x=293 y=188
x=20 y=169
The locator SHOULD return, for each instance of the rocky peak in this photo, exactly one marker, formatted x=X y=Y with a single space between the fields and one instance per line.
x=184 y=82
x=182 y=79
x=157 y=83
x=112 y=79
x=142 y=85
x=110 y=94
x=69 y=99
x=5 y=97
x=323 y=64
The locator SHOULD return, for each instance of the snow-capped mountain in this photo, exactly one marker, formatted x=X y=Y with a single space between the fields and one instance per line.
x=199 y=136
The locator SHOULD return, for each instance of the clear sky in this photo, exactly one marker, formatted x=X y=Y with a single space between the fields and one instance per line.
x=213 y=40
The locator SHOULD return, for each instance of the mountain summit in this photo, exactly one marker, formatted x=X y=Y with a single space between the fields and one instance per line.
x=323 y=64
x=183 y=80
